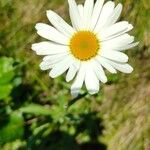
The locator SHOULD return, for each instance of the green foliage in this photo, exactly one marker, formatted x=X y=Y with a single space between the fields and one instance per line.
x=6 y=76
x=37 y=112
x=12 y=129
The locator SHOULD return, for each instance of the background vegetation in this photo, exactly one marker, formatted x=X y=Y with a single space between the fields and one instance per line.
x=36 y=111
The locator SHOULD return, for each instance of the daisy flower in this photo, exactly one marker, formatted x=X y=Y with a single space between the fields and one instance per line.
x=94 y=42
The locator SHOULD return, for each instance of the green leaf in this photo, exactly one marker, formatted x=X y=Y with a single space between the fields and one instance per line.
x=17 y=81
x=6 y=70
x=6 y=76
x=14 y=145
x=36 y=110
x=5 y=91
x=58 y=113
x=13 y=129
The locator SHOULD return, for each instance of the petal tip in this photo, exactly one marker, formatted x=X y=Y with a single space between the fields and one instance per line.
x=49 y=12
x=67 y=79
x=41 y=67
x=74 y=93
x=37 y=26
x=51 y=75
x=120 y=6
x=105 y=81
x=93 y=92
x=131 y=69
x=32 y=47
x=130 y=27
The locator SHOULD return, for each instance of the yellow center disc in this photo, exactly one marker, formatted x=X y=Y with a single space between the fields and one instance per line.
x=84 y=45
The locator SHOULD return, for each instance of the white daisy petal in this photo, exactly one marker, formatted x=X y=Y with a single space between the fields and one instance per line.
x=99 y=71
x=104 y=16
x=115 y=30
x=49 y=48
x=117 y=42
x=96 y=13
x=50 y=61
x=91 y=80
x=53 y=57
x=60 y=67
x=45 y=66
x=59 y=23
x=81 y=10
x=115 y=15
x=107 y=66
x=48 y=65
x=76 y=86
x=74 y=67
x=88 y=10
x=75 y=15
x=125 y=68
x=123 y=48
x=51 y=33
x=114 y=55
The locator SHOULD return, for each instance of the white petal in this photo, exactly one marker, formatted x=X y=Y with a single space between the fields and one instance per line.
x=115 y=15
x=49 y=48
x=59 y=23
x=115 y=43
x=60 y=67
x=104 y=16
x=99 y=71
x=88 y=10
x=51 y=33
x=80 y=7
x=53 y=57
x=51 y=61
x=44 y=66
x=75 y=15
x=114 y=55
x=127 y=46
x=74 y=67
x=115 y=30
x=76 y=86
x=125 y=68
x=96 y=13
x=91 y=80
x=106 y=65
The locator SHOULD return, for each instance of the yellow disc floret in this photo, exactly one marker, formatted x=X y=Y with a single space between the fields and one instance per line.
x=84 y=45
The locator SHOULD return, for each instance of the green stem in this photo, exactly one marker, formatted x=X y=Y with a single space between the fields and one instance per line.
x=73 y=101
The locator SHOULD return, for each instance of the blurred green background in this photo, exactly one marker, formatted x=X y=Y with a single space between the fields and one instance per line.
x=35 y=110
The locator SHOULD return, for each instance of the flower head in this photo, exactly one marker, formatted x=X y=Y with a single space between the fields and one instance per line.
x=96 y=41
